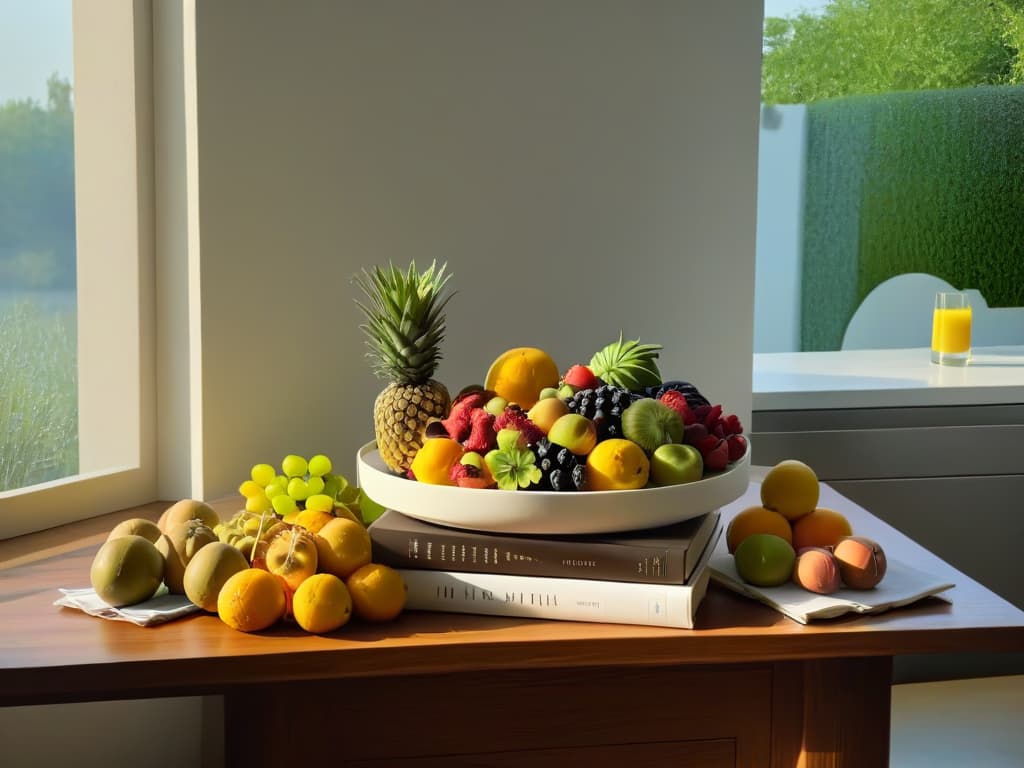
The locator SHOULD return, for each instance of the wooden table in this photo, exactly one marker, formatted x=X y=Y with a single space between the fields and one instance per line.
x=748 y=687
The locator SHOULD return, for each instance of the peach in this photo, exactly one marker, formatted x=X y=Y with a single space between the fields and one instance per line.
x=816 y=570
x=861 y=562
x=546 y=412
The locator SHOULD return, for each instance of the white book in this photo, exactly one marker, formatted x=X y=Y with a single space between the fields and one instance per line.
x=608 y=602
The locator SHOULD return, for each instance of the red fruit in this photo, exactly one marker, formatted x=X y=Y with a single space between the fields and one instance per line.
x=731 y=424
x=715 y=452
x=458 y=423
x=677 y=402
x=581 y=377
x=482 y=436
x=515 y=418
x=694 y=433
x=472 y=482
x=737 y=446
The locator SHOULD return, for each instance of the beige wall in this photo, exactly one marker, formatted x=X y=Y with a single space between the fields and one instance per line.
x=583 y=167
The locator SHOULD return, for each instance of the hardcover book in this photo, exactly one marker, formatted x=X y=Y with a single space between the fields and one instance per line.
x=538 y=597
x=666 y=555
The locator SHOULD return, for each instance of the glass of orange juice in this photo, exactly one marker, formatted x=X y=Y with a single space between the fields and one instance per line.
x=951 y=329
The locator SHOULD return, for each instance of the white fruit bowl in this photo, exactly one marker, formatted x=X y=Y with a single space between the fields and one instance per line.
x=548 y=512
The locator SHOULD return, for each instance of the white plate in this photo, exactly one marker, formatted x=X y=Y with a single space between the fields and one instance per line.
x=548 y=512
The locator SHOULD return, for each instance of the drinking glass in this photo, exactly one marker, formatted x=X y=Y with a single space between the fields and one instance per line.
x=951 y=329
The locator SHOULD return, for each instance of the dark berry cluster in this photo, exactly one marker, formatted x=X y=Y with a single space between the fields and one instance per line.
x=561 y=469
x=604 y=406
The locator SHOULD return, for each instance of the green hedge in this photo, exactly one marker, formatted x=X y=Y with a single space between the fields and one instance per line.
x=927 y=181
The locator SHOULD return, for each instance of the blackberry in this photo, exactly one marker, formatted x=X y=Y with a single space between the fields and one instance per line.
x=604 y=406
x=693 y=396
x=561 y=469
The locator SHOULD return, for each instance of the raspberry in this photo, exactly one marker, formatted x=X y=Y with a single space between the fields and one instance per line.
x=459 y=470
x=458 y=422
x=737 y=446
x=677 y=402
x=708 y=415
x=482 y=436
x=731 y=425
x=514 y=418
x=694 y=433
x=715 y=451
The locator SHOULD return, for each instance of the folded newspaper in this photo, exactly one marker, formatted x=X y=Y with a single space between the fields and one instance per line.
x=902 y=585
x=158 y=609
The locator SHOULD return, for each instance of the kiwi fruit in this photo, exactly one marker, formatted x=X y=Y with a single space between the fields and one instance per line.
x=178 y=546
x=126 y=570
x=185 y=510
x=136 y=526
x=650 y=423
x=206 y=573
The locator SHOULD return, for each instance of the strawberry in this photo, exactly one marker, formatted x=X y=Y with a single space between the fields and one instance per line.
x=677 y=402
x=581 y=377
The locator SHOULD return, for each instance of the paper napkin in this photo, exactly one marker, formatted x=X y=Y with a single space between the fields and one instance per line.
x=902 y=585
x=160 y=608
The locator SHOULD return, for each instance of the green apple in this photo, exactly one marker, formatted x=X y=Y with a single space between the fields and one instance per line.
x=675 y=463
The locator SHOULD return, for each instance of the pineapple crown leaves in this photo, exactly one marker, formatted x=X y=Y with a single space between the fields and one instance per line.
x=405 y=321
x=630 y=364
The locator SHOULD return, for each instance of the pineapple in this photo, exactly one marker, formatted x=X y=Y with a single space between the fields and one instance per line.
x=629 y=365
x=405 y=326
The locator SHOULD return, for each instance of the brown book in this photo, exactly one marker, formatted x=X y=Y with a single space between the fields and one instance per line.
x=666 y=555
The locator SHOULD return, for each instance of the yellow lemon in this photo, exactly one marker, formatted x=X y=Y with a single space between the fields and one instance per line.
x=434 y=461
x=617 y=465
x=790 y=488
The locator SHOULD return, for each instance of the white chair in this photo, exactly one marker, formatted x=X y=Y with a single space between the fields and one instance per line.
x=897 y=314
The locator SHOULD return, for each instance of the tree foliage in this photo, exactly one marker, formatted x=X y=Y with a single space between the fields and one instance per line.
x=37 y=191
x=875 y=46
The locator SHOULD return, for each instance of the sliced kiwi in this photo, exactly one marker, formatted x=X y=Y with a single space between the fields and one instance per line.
x=650 y=423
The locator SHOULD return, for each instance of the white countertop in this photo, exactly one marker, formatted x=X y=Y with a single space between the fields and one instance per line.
x=885 y=378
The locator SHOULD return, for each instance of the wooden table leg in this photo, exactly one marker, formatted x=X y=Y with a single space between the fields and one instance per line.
x=832 y=713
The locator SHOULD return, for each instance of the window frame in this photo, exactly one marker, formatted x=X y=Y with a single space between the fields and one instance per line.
x=114 y=201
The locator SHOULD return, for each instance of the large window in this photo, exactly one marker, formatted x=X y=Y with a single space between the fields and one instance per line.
x=890 y=155
x=76 y=252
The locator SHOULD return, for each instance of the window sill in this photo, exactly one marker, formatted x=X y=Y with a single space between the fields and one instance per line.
x=885 y=378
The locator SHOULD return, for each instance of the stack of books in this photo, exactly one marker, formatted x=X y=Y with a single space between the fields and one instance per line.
x=655 y=577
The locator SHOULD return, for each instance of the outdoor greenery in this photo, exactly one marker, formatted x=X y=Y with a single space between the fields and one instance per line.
x=928 y=181
x=37 y=191
x=38 y=341
x=878 y=46
x=38 y=396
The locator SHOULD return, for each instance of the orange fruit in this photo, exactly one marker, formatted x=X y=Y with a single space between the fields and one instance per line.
x=322 y=603
x=342 y=546
x=820 y=528
x=756 y=520
x=313 y=519
x=617 y=465
x=520 y=373
x=434 y=461
x=790 y=488
x=251 y=600
x=378 y=592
